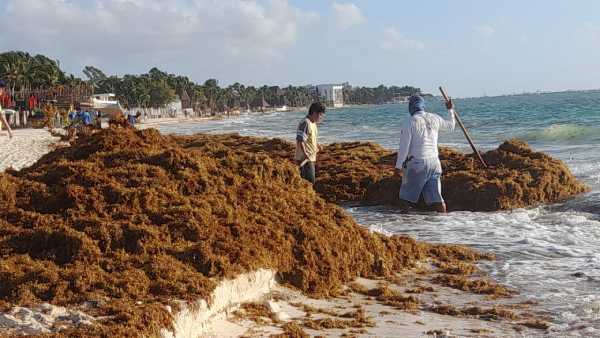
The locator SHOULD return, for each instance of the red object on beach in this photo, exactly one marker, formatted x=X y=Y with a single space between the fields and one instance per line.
x=6 y=101
x=33 y=102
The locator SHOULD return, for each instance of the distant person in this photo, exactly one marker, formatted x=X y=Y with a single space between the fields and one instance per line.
x=98 y=119
x=418 y=161
x=86 y=118
x=75 y=121
x=2 y=116
x=306 y=142
x=72 y=116
x=133 y=119
x=76 y=117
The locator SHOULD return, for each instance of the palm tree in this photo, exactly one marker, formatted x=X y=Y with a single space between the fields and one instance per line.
x=211 y=89
x=21 y=70
x=12 y=66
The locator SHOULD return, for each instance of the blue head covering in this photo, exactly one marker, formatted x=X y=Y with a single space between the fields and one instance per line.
x=2 y=83
x=416 y=104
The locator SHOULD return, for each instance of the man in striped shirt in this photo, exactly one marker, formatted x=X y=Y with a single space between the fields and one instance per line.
x=306 y=141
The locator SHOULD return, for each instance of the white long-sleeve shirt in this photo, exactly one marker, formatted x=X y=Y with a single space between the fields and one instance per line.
x=419 y=135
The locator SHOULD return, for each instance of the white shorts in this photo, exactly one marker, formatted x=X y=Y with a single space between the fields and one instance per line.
x=422 y=176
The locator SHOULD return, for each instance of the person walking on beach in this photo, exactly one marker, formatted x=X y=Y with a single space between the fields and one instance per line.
x=2 y=116
x=133 y=119
x=85 y=117
x=418 y=163
x=306 y=142
x=72 y=116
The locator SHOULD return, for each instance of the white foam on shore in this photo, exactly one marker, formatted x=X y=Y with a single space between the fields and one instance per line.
x=198 y=319
x=25 y=148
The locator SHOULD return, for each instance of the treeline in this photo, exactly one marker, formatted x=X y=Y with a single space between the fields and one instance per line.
x=157 y=88
x=377 y=95
x=21 y=70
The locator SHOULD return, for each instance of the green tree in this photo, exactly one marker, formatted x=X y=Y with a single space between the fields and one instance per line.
x=94 y=75
x=21 y=70
x=160 y=93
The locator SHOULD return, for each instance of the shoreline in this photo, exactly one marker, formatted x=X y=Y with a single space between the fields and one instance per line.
x=149 y=123
x=357 y=313
x=254 y=304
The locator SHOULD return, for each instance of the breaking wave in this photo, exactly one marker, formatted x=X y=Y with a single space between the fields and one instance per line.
x=562 y=132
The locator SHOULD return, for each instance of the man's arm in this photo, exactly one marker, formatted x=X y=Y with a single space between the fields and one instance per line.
x=302 y=137
x=450 y=123
x=405 y=137
x=303 y=148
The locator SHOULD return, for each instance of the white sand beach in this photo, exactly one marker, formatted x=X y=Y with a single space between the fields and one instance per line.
x=26 y=147
x=290 y=306
x=225 y=317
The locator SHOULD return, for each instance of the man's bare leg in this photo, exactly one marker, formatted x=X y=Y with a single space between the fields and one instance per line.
x=405 y=206
x=439 y=207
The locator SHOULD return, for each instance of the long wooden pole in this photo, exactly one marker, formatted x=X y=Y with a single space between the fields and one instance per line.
x=462 y=126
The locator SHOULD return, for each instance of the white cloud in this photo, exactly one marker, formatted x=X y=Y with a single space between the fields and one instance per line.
x=123 y=29
x=348 y=15
x=393 y=40
x=486 y=31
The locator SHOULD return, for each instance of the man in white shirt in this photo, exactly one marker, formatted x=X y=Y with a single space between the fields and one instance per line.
x=418 y=161
x=2 y=116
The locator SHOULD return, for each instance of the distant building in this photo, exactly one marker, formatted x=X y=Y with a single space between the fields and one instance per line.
x=331 y=94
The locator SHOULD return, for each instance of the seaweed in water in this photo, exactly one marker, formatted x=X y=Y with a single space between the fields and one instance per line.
x=363 y=172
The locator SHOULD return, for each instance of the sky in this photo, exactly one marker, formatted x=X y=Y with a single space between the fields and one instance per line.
x=471 y=47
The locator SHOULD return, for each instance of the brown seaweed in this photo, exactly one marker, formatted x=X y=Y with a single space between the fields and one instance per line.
x=134 y=217
x=363 y=172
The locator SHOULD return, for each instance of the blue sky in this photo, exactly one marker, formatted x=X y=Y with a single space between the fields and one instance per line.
x=471 y=47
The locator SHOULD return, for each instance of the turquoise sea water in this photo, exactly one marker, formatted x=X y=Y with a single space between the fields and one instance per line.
x=540 y=249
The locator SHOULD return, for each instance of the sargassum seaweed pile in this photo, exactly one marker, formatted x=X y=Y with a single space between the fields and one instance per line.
x=132 y=220
x=363 y=172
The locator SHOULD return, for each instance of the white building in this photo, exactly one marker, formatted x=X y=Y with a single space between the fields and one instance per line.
x=332 y=95
x=105 y=97
x=107 y=104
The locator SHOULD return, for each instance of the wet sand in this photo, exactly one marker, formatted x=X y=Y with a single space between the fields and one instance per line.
x=360 y=315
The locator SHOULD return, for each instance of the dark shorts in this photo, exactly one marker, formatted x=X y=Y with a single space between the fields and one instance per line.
x=307 y=172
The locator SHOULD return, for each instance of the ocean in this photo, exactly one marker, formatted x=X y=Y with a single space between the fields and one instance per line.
x=551 y=253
